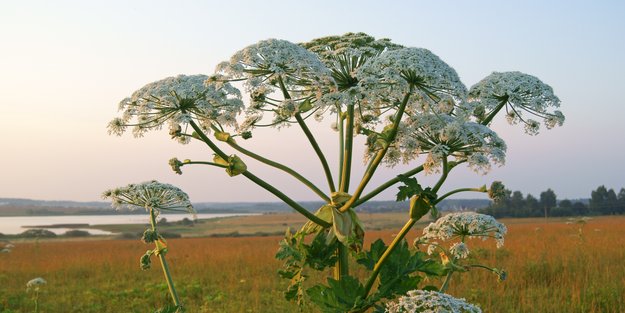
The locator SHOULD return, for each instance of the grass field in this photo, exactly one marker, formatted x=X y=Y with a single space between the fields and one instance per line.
x=551 y=269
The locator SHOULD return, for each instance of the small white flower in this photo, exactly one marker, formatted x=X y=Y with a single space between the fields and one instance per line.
x=35 y=284
x=465 y=225
x=421 y=301
x=150 y=195
x=459 y=250
x=460 y=226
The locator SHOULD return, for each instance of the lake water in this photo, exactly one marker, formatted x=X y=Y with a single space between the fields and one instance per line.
x=18 y=224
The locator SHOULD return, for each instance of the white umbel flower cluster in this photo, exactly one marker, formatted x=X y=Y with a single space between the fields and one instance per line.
x=441 y=135
x=35 y=284
x=176 y=101
x=389 y=76
x=521 y=93
x=460 y=226
x=421 y=301
x=150 y=195
x=273 y=66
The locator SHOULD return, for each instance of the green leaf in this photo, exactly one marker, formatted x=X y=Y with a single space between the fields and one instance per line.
x=320 y=255
x=339 y=296
x=410 y=188
x=369 y=258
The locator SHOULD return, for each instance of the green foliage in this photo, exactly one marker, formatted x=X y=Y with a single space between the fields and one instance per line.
x=344 y=295
x=399 y=273
x=297 y=255
x=410 y=188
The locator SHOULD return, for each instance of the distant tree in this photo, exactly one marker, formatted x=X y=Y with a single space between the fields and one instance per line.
x=579 y=208
x=598 y=199
x=566 y=204
x=548 y=200
x=532 y=206
x=517 y=201
x=621 y=201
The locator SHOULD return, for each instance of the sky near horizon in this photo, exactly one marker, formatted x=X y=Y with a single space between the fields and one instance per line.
x=64 y=66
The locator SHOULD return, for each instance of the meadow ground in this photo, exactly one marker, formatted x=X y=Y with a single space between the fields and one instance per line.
x=552 y=268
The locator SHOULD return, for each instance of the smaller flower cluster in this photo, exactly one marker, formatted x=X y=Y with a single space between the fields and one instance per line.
x=441 y=135
x=176 y=101
x=519 y=92
x=35 y=284
x=7 y=248
x=460 y=226
x=422 y=301
x=150 y=195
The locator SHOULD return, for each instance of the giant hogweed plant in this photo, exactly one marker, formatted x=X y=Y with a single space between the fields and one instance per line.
x=407 y=104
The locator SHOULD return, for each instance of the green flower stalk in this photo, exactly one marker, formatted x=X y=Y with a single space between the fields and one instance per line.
x=154 y=197
x=34 y=286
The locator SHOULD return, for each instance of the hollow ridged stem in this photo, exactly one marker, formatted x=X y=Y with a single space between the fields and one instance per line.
x=347 y=150
x=385 y=186
x=379 y=156
x=340 y=126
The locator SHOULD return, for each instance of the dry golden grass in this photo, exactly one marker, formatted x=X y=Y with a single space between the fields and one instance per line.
x=551 y=269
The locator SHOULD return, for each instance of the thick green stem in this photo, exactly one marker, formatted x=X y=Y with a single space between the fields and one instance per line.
x=445 y=285
x=279 y=166
x=161 y=257
x=492 y=114
x=440 y=182
x=340 y=126
x=259 y=181
x=342 y=267
x=347 y=150
x=302 y=210
x=380 y=155
x=376 y=269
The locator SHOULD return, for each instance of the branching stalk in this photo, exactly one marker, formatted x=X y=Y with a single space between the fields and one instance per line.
x=279 y=166
x=440 y=182
x=259 y=181
x=386 y=254
x=380 y=155
x=161 y=257
x=492 y=114
x=441 y=198
x=311 y=139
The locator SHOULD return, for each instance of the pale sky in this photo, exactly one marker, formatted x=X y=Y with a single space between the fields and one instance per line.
x=64 y=66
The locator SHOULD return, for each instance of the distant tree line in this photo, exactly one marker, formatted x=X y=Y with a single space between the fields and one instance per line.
x=602 y=201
